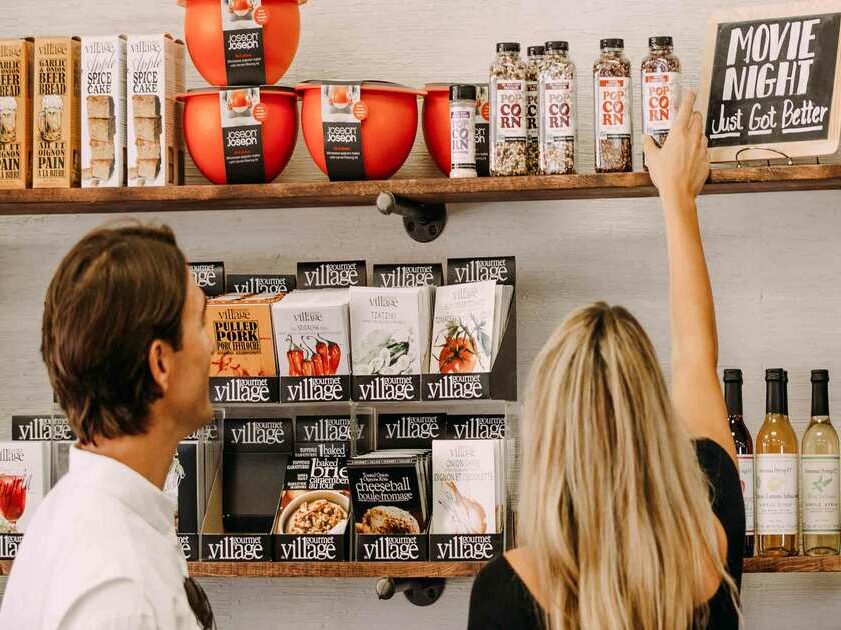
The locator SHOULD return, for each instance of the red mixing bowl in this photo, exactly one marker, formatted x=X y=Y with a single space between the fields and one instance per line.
x=281 y=23
x=203 y=130
x=388 y=131
x=436 y=124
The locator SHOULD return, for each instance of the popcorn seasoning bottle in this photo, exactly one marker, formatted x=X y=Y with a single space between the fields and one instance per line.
x=508 y=111
x=463 y=131
x=558 y=111
x=533 y=66
x=659 y=88
x=612 y=95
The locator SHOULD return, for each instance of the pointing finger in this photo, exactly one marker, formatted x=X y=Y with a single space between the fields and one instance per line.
x=687 y=104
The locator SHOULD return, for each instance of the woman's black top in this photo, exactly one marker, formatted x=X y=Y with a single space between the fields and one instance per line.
x=501 y=601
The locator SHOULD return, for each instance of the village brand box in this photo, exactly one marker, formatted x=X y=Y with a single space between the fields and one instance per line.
x=56 y=160
x=15 y=113
x=155 y=76
x=103 y=111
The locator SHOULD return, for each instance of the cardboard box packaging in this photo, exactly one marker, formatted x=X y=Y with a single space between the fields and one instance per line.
x=15 y=113
x=155 y=76
x=240 y=327
x=56 y=160
x=103 y=103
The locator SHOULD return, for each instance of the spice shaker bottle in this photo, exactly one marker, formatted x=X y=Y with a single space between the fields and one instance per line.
x=612 y=95
x=508 y=111
x=463 y=130
x=558 y=111
x=659 y=88
x=533 y=66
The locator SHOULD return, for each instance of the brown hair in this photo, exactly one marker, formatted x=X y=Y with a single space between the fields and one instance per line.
x=115 y=292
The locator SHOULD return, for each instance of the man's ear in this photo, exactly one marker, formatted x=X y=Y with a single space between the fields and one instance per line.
x=161 y=363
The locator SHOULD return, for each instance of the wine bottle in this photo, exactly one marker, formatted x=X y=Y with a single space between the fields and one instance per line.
x=744 y=449
x=776 y=474
x=819 y=475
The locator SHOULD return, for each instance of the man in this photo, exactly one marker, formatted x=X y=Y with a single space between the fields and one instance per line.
x=128 y=358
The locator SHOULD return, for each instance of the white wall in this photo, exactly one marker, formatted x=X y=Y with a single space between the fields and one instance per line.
x=774 y=257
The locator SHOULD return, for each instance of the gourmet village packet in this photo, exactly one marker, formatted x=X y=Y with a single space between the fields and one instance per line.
x=330 y=436
x=155 y=75
x=24 y=481
x=15 y=113
x=103 y=120
x=56 y=160
x=184 y=484
x=463 y=328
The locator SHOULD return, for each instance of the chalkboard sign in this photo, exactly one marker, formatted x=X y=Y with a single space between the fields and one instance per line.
x=770 y=80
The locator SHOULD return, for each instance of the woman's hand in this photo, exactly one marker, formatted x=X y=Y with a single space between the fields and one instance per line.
x=681 y=166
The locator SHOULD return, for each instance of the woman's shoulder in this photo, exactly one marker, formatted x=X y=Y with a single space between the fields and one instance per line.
x=500 y=599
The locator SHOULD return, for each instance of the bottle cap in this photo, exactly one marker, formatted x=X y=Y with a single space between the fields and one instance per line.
x=508 y=47
x=820 y=376
x=536 y=51
x=463 y=92
x=660 y=41
x=612 y=43
x=557 y=45
x=774 y=374
x=733 y=376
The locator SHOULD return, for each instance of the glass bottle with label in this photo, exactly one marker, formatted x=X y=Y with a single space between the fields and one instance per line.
x=508 y=111
x=534 y=63
x=659 y=88
x=819 y=478
x=612 y=97
x=744 y=449
x=558 y=111
x=463 y=131
x=776 y=474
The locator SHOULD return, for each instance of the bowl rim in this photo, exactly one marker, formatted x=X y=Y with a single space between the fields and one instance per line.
x=296 y=502
x=367 y=85
x=184 y=3
x=281 y=90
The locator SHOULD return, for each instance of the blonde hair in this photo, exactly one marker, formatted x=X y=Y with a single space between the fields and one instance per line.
x=613 y=505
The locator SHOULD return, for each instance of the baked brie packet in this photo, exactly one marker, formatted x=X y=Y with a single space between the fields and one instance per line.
x=390 y=492
x=316 y=499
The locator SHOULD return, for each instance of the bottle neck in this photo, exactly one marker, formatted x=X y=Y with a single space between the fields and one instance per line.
x=733 y=398
x=820 y=399
x=661 y=50
x=775 y=398
x=613 y=51
x=507 y=57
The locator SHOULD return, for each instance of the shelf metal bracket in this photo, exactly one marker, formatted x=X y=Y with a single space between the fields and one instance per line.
x=419 y=591
x=424 y=222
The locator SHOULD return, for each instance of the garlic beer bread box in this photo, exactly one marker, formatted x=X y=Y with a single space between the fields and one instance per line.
x=56 y=160
x=15 y=113
x=240 y=327
x=103 y=111
x=155 y=75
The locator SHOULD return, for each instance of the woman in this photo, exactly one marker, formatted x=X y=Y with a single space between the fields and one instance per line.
x=631 y=508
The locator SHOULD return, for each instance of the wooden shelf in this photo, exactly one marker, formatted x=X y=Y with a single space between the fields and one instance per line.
x=800 y=564
x=440 y=189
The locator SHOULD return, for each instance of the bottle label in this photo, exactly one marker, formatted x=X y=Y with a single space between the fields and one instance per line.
x=509 y=109
x=463 y=137
x=776 y=494
x=557 y=110
x=746 y=477
x=532 y=109
x=819 y=483
x=242 y=32
x=613 y=107
x=660 y=98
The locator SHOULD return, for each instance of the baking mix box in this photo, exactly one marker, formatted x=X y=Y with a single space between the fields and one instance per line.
x=15 y=113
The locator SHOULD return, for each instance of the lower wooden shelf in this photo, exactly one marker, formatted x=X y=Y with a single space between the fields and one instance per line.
x=800 y=564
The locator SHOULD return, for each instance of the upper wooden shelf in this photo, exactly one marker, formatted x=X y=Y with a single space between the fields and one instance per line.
x=439 y=189
x=800 y=564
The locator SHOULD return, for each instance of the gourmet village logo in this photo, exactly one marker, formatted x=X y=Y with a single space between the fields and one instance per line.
x=12 y=455
x=236 y=548
x=481 y=270
x=9 y=544
x=329 y=430
x=308 y=548
x=456 y=387
x=388 y=388
x=480 y=429
x=407 y=276
x=244 y=390
x=465 y=548
x=186 y=546
x=391 y=548
x=204 y=275
x=318 y=389
x=270 y=286
x=99 y=73
x=42 y=429
x=332 y=275
x=145 y=71
x=413 y=428
x=259 y=433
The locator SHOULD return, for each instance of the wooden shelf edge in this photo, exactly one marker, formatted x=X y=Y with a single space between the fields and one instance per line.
x=800 y=564
x=436 y=189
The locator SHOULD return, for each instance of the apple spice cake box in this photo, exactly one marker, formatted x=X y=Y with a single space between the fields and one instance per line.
x=312 y=516
x=332 y=435
x=243 y=367
x=155 y=75
x=56 y=159
x=390 y=492
x=103 y=119
x=15 y=113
